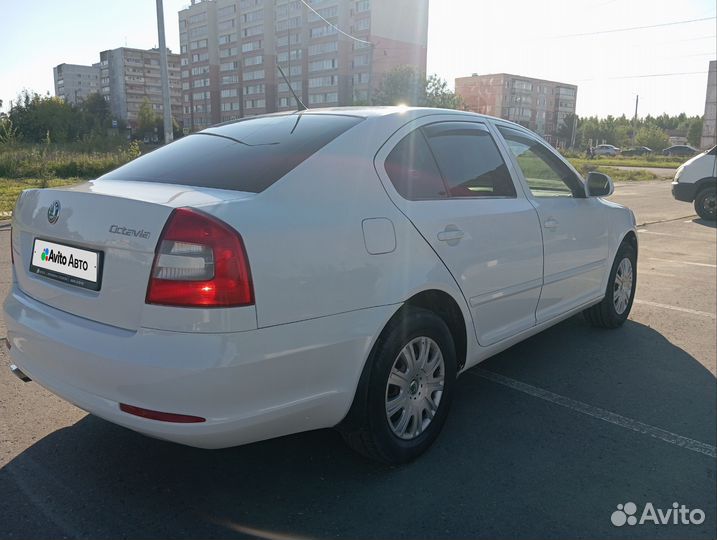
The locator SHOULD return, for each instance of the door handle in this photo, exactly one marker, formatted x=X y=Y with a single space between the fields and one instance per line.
x=452 y=235
x=551 y=223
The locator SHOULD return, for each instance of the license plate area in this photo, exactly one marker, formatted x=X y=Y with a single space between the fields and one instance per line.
x=72 y=265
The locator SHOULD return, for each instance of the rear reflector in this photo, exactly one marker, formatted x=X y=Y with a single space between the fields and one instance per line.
x=199 y=262
x=161 y=416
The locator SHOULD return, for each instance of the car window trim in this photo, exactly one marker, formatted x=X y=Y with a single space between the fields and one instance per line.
x=382 y=153
x=480 y=126
x=521 y=130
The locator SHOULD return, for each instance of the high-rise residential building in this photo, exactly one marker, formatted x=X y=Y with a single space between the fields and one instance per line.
x=129 y=76
x=74 y=82
x=537 y=104
x=230 y=50
x=709 y=120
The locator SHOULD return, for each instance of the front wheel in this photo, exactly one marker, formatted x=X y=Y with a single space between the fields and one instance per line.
x=404 y=395
x=705 y=204
x=614 y=309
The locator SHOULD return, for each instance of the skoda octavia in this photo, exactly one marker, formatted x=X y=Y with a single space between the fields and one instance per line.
x=333 y=268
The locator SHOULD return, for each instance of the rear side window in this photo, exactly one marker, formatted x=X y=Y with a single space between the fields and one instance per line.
x=249 y=155
x=469 y=160
x=412 y=169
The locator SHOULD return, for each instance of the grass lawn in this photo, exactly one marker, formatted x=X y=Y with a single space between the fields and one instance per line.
x=618 y=175
x=10 y=189
x=657 y=163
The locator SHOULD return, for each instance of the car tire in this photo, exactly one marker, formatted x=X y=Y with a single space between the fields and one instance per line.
x=372 y=427
x=614 y=309
x=705 y=203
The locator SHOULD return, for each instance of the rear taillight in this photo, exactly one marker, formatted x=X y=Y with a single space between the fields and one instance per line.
x=199 y=262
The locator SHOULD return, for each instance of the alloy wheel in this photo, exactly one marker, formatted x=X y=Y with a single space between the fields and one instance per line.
x=415 y=387
x=622 y=287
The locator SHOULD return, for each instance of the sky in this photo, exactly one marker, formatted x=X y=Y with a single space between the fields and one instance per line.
x=581 y=42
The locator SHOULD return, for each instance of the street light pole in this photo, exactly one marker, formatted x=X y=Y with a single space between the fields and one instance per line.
x=164 y=70
x=634 y=120
x=369 y=94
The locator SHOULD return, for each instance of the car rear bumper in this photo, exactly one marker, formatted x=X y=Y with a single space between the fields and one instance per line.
x=684 y=192
x=248 y=386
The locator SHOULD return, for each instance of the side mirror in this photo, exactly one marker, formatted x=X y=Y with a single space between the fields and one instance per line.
x=599 y=185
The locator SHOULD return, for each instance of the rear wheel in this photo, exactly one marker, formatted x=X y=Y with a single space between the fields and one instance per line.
x=405 y=392
x=705 y=203
x=614 y=309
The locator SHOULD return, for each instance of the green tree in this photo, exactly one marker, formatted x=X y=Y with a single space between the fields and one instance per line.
x=39 y=118
x=8 y=133
x=402 y=86
x=694 y=133
x=405 y=86
x=653 y=137
x=148 y=121
x=565 y=130
x=96 y=113
x=439 y=95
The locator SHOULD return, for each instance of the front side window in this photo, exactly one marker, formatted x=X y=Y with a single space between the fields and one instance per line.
x=545 y=174
x=469 y=160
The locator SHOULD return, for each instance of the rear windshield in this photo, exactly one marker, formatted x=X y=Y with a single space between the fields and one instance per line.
x=249 y=155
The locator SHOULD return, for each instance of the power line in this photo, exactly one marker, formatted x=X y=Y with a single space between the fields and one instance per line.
x=692 y=55
x=334 y=26
x=659 y=75
x=645 y=76
x=615 y=30
x=690 y=39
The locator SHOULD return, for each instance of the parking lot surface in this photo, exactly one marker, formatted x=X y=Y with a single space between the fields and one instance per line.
x=544 y=440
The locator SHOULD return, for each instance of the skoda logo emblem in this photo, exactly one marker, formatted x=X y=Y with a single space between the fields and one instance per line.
x=53 y=213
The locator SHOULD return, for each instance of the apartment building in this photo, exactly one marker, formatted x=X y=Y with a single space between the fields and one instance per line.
x=129 y=76
x=537 y=104
x=230 y=50
x=709 y=120
x=74 y=82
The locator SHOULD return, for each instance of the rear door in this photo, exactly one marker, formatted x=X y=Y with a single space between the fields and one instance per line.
x=575 y=229
x=451 y=180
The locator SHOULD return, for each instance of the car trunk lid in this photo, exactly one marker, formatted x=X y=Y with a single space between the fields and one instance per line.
x=119 y=222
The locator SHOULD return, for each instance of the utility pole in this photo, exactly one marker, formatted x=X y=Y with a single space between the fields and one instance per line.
x=634 y=120
x=164 y=70
x=572 y=135
x=369 y=94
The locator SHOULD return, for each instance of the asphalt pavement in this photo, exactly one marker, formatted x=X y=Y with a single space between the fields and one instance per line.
x=544 y=440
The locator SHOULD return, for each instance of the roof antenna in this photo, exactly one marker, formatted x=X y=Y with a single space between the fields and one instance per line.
x=299 y=104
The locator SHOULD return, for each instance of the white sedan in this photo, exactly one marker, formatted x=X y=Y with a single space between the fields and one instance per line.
x=332 y=268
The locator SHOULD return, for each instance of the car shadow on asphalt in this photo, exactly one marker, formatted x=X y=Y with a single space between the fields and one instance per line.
x=506 y=465
x=712 y=224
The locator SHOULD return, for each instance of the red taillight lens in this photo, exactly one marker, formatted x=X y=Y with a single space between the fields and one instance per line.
x=199 y=262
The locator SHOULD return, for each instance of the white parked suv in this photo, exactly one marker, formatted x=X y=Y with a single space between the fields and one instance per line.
x=695 y=182
x=606 y=150
x=308 y=270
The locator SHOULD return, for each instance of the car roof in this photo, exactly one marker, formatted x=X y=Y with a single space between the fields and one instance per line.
x=372 y=112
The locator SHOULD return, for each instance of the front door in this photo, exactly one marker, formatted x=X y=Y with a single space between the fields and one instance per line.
x=575 y=229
